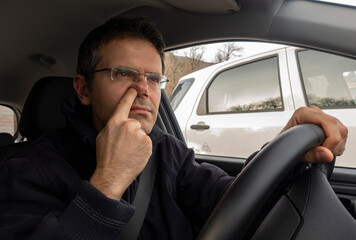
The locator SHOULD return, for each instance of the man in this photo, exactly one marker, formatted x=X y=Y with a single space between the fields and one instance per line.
x=80 y=182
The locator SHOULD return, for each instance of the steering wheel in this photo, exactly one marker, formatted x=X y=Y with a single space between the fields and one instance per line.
x=254 y=185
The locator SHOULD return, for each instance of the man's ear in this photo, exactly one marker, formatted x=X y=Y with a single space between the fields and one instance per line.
x=82 y=89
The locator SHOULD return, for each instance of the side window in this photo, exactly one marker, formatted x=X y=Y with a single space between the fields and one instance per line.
x=247 y=88
x=329 y=80
x=8 y=120
x=179 y=92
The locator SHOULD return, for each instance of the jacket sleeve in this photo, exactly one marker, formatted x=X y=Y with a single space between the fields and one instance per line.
x=29 y=209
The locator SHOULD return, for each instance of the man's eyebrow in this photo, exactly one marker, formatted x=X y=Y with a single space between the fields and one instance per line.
x=117 y=67
x=128 y=68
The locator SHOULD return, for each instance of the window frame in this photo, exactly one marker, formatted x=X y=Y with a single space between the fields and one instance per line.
x=17 y=115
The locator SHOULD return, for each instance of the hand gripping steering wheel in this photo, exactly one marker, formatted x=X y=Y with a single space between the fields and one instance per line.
x=254 y=185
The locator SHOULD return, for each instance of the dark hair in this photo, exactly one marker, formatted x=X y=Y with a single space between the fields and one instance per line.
x=89 y=54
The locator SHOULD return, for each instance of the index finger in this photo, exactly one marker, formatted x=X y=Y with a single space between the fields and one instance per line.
x=122 y=109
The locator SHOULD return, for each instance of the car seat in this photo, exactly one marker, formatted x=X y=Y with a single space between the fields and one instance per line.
x=41 y=112
x=6 y=139
x=42 y=109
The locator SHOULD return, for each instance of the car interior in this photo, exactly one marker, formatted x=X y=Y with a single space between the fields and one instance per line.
x=40 y=46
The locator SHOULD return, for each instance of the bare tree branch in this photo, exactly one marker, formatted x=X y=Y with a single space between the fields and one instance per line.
x=229 y=51
x=195 y=56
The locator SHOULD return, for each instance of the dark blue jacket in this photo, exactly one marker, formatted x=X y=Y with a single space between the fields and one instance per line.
x=45 y=193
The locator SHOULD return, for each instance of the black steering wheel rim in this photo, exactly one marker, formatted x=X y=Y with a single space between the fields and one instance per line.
x=254 y=185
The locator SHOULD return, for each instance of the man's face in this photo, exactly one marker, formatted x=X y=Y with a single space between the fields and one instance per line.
x=132 y=53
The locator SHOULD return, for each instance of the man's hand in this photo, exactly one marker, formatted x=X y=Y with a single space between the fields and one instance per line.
x=335 y=132
x=122 y=150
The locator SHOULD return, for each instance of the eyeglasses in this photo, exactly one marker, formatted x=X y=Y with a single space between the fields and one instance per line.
x=124 y=74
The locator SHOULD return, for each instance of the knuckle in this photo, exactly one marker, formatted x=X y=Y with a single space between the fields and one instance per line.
x=344 y=131
x=340 y=152
x=334 y=120
x=301 y=110
x=332 y=123
x=336 y=141
x=315 y=108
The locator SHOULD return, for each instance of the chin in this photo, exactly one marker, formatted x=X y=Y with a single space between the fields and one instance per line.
x=146 y=122
x=145 y=126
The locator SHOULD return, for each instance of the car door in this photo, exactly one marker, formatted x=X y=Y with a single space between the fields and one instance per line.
x=327 y=81
x=242 y=105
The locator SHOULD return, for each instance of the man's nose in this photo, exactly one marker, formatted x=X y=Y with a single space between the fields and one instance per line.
x=140 y=84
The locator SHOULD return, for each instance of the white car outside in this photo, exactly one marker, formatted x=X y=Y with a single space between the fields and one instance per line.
x=241 y=104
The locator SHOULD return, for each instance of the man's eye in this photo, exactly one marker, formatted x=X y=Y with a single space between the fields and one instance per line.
x=154 y=78
x=122 y=73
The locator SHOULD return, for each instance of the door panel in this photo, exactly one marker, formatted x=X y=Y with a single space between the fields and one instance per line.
x=247 y=105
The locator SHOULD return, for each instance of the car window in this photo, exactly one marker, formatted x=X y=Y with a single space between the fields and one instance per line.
x=250 y=87
x=8 y=120
x=179 y=92
x=329 y=80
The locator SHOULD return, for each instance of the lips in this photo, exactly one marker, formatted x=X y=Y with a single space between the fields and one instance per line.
x=140 y=109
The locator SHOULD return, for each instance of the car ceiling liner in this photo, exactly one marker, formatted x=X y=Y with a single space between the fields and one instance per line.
x=207 y=6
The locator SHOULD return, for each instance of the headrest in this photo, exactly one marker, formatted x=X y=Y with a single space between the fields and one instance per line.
x=5 y=139
x=42 y=109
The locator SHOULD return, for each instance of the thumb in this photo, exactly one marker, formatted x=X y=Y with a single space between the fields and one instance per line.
x=318 y=154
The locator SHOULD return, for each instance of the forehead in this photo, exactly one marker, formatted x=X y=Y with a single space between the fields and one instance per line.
x=135 y=53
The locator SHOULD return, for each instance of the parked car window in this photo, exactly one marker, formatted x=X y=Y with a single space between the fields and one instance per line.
x=329 y=80
x=250 y=87
x=8 y=120
x=179 y=92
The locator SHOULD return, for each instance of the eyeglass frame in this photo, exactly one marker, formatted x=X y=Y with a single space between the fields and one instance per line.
x=163 y=82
